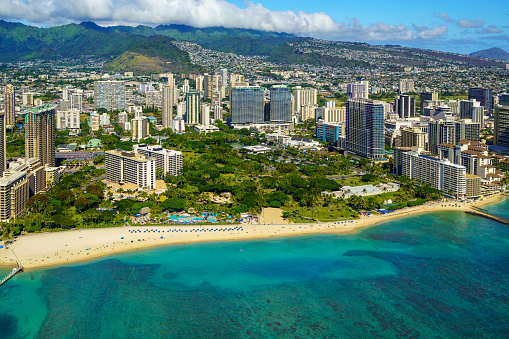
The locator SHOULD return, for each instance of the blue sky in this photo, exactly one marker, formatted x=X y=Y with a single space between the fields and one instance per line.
x=455 y=26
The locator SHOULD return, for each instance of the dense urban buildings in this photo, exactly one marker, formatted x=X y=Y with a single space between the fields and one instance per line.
x=404 y=106
x=428 y=96
x=3 y=145
x=40 y=134
x=472 y=109
x=365 y=128
x=483 y=95
x=356 y=90
x=406 y=86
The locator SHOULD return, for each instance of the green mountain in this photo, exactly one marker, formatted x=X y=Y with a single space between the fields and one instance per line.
x=22 y=42
x=229 y=40
x=132 y=52
x=143 y=49
x=156 y=55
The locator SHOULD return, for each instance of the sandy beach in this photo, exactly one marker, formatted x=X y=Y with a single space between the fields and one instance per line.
x=60 y=248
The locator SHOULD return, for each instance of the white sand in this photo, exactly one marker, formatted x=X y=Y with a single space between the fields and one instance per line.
x=271 y=215
x=49 y=249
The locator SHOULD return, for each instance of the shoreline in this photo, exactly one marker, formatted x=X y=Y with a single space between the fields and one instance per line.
x=44 y=250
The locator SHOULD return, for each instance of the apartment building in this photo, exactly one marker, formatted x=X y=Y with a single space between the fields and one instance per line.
x=168 y=160
x=10 y=106
x=440 y=174
x=14 y=194
x=68 y=120
x=109 y=95
x=413 y=137
x=40 y=134
x=34 y=169
x=140 y=128
x=130 y=167
x=303 y=100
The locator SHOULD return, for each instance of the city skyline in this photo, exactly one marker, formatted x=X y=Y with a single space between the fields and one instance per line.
x=448 y=26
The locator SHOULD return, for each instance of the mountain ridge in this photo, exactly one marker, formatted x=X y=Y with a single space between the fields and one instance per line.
x=492 y=53
x=21 y=42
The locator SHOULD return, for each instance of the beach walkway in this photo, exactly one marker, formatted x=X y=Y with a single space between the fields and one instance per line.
x=13 y=272
x=483 y=213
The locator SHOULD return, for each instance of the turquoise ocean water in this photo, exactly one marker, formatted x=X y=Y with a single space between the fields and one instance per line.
x=441 y=275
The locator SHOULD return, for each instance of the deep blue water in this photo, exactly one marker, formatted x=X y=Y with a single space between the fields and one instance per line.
x=442 y=275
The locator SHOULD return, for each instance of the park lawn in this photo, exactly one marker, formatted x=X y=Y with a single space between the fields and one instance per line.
x=339 y=103
x=189 y=155
x=355 y=181
x=454 y=97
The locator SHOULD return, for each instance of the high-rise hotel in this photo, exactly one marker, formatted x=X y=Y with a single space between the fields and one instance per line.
x=40 y=134
x=365 y=128
x=10 y=106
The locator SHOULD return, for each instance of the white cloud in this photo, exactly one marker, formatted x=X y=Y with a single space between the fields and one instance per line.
x=464 y=23
x=491 y=29
x=444 y=17
x=381 y=31
x=208 y=13
x=197 y=13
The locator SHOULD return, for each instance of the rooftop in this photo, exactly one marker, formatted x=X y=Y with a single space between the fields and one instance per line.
x=40 y=109
x=132 y=155
x=5 y=181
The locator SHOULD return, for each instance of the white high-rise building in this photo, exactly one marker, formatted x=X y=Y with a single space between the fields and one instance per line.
x=123 y=117
x=168 y=102
x=205 y=115
x=109 y=95
x=168 y=160
x=199 y=83
x=179 y=125
x=366 y=88
x=440 y=174
x=356 y=90
x=303 y=98
x=140 y=128
x=218 y=113
x=95 y=121
x=331 y=114
x=406 y=85
x=28 y=99
x=68 y=120
x=130 y=167
x=186 y=87
x=181 y=110
x=104 y=120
